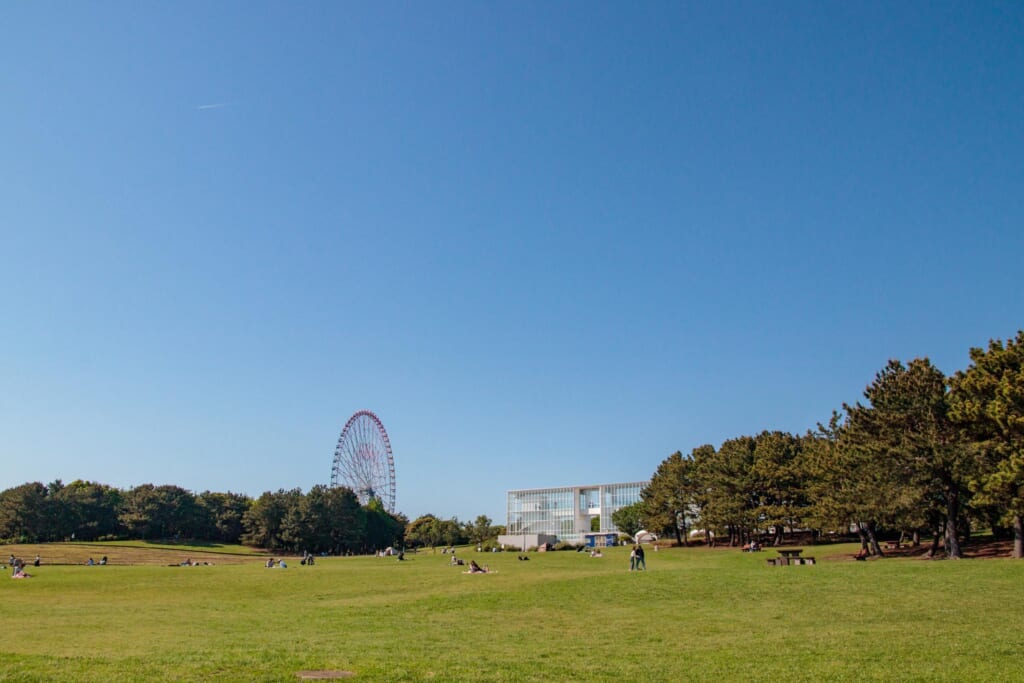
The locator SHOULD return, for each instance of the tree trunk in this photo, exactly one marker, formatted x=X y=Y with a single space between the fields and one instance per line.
x=1018 y=537
x=873 y=540
x=916 y=538
x=934 y=550
x=953 y=551
x=679 y=536
x=863 y=536
x=964 y=530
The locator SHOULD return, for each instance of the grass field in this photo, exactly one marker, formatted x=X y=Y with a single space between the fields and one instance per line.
x=695 y=615
x=133 y=553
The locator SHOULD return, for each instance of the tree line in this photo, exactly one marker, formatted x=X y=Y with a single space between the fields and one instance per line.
x=922 y=454
x=430 y=530
x=324 y=519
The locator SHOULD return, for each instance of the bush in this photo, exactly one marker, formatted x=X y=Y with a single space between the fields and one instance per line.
x=489 y=546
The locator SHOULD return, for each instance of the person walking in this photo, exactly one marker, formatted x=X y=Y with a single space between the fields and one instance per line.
x=641 y=562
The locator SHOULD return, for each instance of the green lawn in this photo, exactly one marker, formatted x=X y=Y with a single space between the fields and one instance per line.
x=696 y=614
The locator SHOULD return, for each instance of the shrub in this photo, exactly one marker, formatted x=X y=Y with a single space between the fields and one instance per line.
x=489 y=546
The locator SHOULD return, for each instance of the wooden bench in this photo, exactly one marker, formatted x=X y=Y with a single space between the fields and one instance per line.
x=785 y=562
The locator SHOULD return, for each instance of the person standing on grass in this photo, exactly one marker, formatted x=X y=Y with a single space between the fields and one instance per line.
x=632 y=559
x=641 y=563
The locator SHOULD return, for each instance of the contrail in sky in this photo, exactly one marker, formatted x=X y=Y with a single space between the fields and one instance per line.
x=216 y=105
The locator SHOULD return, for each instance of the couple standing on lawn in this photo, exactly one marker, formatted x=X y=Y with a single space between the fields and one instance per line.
x=636 y=558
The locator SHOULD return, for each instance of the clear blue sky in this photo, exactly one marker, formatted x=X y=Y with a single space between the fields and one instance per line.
x=547 y=243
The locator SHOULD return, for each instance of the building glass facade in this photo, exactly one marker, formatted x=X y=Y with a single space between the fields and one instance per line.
x=566 y=512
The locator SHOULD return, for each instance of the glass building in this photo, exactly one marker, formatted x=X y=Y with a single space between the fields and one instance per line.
x=567 y=512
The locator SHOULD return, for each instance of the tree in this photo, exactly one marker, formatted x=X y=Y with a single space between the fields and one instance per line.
x=332 y=520
x=481 y=529
x=729 y=501
x=159 y=512
x=264 y=519
x=670 y=496
x=987 y=400
x=86 y=510
x=24 y=512
x=450 y=531
x=907 y=420
x=423 y=531
x=383 y=529
x=223 y=514
x=848 y=485
x=629 y=519
x=778 y=478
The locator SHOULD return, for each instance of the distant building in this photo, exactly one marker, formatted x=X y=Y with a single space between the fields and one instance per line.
x=537 y=516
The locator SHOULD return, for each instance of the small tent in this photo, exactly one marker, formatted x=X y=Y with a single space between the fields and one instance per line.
x=644 y=536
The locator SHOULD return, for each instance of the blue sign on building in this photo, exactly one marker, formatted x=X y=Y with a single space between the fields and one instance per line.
x=600 y=540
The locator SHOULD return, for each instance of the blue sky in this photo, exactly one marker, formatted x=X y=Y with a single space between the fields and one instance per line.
x=547 y=243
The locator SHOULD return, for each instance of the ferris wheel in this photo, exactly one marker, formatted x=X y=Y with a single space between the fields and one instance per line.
x=363 y=460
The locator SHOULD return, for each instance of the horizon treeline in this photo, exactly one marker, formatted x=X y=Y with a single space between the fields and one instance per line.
x=923 y=455
x=324 y=519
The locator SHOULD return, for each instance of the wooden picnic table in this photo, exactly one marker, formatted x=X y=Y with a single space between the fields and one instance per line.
x=791 y=556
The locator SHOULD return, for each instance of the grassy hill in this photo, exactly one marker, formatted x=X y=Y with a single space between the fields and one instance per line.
x=132 y=553
x=696 y=615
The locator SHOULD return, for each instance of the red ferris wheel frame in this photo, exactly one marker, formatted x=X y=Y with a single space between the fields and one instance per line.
x=363 y=460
